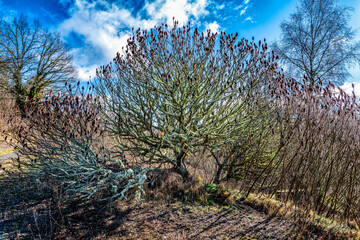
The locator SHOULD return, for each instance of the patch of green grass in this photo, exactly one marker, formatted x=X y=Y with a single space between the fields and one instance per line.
x=211 y=187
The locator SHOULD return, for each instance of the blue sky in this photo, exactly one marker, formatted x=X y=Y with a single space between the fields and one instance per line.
x=97 y=29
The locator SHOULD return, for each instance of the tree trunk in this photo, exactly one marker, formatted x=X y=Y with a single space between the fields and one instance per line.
x=20 y=97
x=180 y=167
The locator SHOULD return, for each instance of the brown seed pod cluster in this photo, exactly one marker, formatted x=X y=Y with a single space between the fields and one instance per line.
x=62 y=142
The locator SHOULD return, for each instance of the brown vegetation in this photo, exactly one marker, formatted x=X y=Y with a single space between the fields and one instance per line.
x=6 y=105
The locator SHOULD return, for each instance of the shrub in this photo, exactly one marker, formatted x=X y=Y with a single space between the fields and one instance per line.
x=62 y=142
x=174 y=92
x=318 y=166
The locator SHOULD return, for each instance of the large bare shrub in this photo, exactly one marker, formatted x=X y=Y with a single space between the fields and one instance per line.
x=61 y=141
x=318 y=165
x=173 y=92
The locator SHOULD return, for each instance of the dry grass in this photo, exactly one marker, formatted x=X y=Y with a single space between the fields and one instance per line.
x=306 y=220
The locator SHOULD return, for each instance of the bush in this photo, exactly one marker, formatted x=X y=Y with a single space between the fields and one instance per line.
x=62 y=141
x=175 y=92
x=6 y=103
x=318 y=164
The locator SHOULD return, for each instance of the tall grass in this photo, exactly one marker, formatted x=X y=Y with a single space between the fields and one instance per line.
x=314 y=150
x=320 y=159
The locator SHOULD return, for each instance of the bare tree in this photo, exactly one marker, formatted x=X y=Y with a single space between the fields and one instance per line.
x=317 y=42
x=32 y=59
x=172 y=93
x=63 y=145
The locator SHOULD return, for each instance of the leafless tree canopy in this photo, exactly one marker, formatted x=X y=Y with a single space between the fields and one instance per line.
x=317 y=42
x=32 y=59
x=174 y=94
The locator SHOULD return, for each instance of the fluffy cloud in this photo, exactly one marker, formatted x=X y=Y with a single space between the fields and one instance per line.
x=161 y=10
x=104 y=27
x=87 y=72
x=214 y=26
x=101 y=27
x=347 y=87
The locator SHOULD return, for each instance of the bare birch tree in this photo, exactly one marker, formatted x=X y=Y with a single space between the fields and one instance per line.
x=317 y=42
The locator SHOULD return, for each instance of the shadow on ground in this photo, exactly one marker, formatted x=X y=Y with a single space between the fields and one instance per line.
x=27 y=212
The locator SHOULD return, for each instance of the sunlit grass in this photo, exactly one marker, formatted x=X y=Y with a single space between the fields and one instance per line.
x=6 y=151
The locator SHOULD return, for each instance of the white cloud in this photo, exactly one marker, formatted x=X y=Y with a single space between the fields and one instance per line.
x=105 y=27
x=220 y=6
x=100 y=31
x=249 y=19
x=238 y=7
x=214 y=26
x=244 y=7
x=165 y=10
x=87 y=73
x=243 y=10
x=347 y=87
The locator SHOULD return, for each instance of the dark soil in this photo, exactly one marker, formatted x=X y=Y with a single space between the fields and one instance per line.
x=41 y=219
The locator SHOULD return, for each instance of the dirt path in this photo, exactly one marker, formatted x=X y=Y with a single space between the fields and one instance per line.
x=154 y=220
x=7 y=152
x=179 y=221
